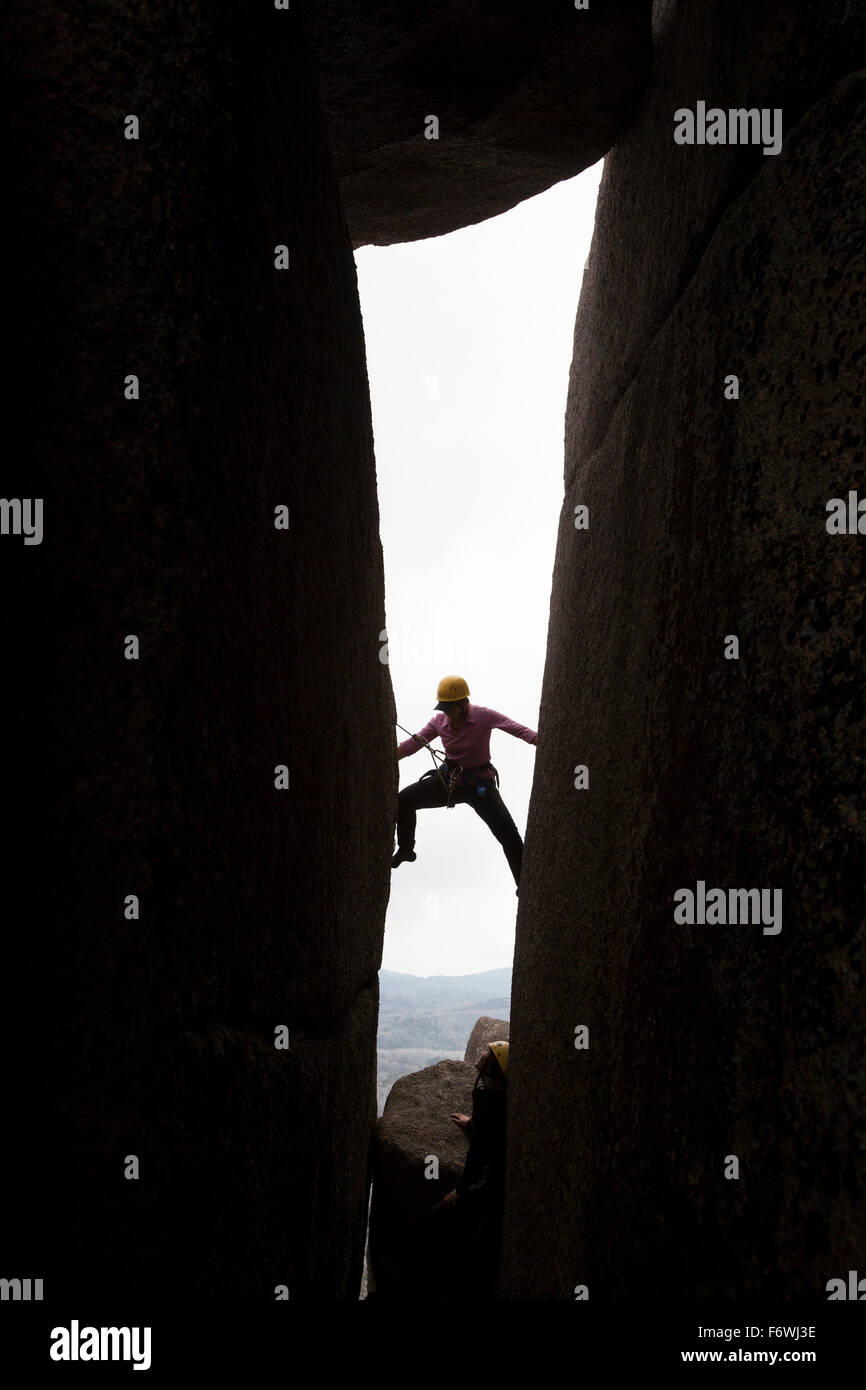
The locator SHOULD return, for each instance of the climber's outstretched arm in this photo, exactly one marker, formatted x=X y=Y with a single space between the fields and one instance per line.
x=501 y=721
x=411 y=745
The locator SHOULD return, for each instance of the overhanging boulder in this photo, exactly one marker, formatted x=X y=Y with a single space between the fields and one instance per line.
x=524 y=96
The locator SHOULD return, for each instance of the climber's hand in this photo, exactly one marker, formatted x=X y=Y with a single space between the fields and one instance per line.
x=462 y=1121
x=451 y=1199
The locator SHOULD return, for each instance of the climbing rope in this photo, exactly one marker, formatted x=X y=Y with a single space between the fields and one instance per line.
x=450 y=781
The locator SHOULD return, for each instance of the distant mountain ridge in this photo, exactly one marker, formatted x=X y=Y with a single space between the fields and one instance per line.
x=393 y=984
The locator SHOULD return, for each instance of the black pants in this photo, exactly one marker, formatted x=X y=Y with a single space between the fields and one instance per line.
x=490 y=807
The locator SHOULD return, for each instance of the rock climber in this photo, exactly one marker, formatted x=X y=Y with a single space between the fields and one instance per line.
x=465 y=775
x=464 y=1230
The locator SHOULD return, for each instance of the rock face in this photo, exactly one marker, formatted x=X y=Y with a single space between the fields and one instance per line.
x=525 y=95
x=706 y=519
x=414 y=1129
x=486 y=1031
x=156 y=777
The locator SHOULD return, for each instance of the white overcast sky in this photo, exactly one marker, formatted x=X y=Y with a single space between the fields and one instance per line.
x=469 y=341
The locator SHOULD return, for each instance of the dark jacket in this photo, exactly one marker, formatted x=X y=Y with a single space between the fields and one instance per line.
x=484 y=1170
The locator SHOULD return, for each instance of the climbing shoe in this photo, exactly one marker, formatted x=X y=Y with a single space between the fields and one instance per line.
x=407 y=854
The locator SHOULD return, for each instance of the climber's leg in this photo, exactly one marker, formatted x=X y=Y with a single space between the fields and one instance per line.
x=418 y=796
x=494 y=812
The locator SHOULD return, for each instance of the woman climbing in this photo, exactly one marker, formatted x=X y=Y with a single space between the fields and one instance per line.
x=466 y=773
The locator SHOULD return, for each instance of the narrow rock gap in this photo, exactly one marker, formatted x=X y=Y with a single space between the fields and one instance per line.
x=468 y=396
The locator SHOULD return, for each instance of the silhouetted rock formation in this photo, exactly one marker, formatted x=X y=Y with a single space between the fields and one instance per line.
x=525 y=95
x=258 y=647
x=486 y=1031
x=706 y=518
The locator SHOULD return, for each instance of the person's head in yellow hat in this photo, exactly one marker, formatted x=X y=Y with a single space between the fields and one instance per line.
x=453 y=699
x=500 y=1053
x=452 y=690
x=492 y=1063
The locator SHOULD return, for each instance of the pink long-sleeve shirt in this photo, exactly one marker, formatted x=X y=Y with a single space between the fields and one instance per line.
x=470 y=745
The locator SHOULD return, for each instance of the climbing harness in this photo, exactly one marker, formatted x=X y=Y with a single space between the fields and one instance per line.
x=453 y=775
x=480 y=783
x=448 y=773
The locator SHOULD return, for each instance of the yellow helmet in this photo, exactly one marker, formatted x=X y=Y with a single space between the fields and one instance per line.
x=500 y=1052
x=451 y=688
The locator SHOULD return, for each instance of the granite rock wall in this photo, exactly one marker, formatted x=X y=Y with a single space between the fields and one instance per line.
x=153 y=1035
x=707 y=512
